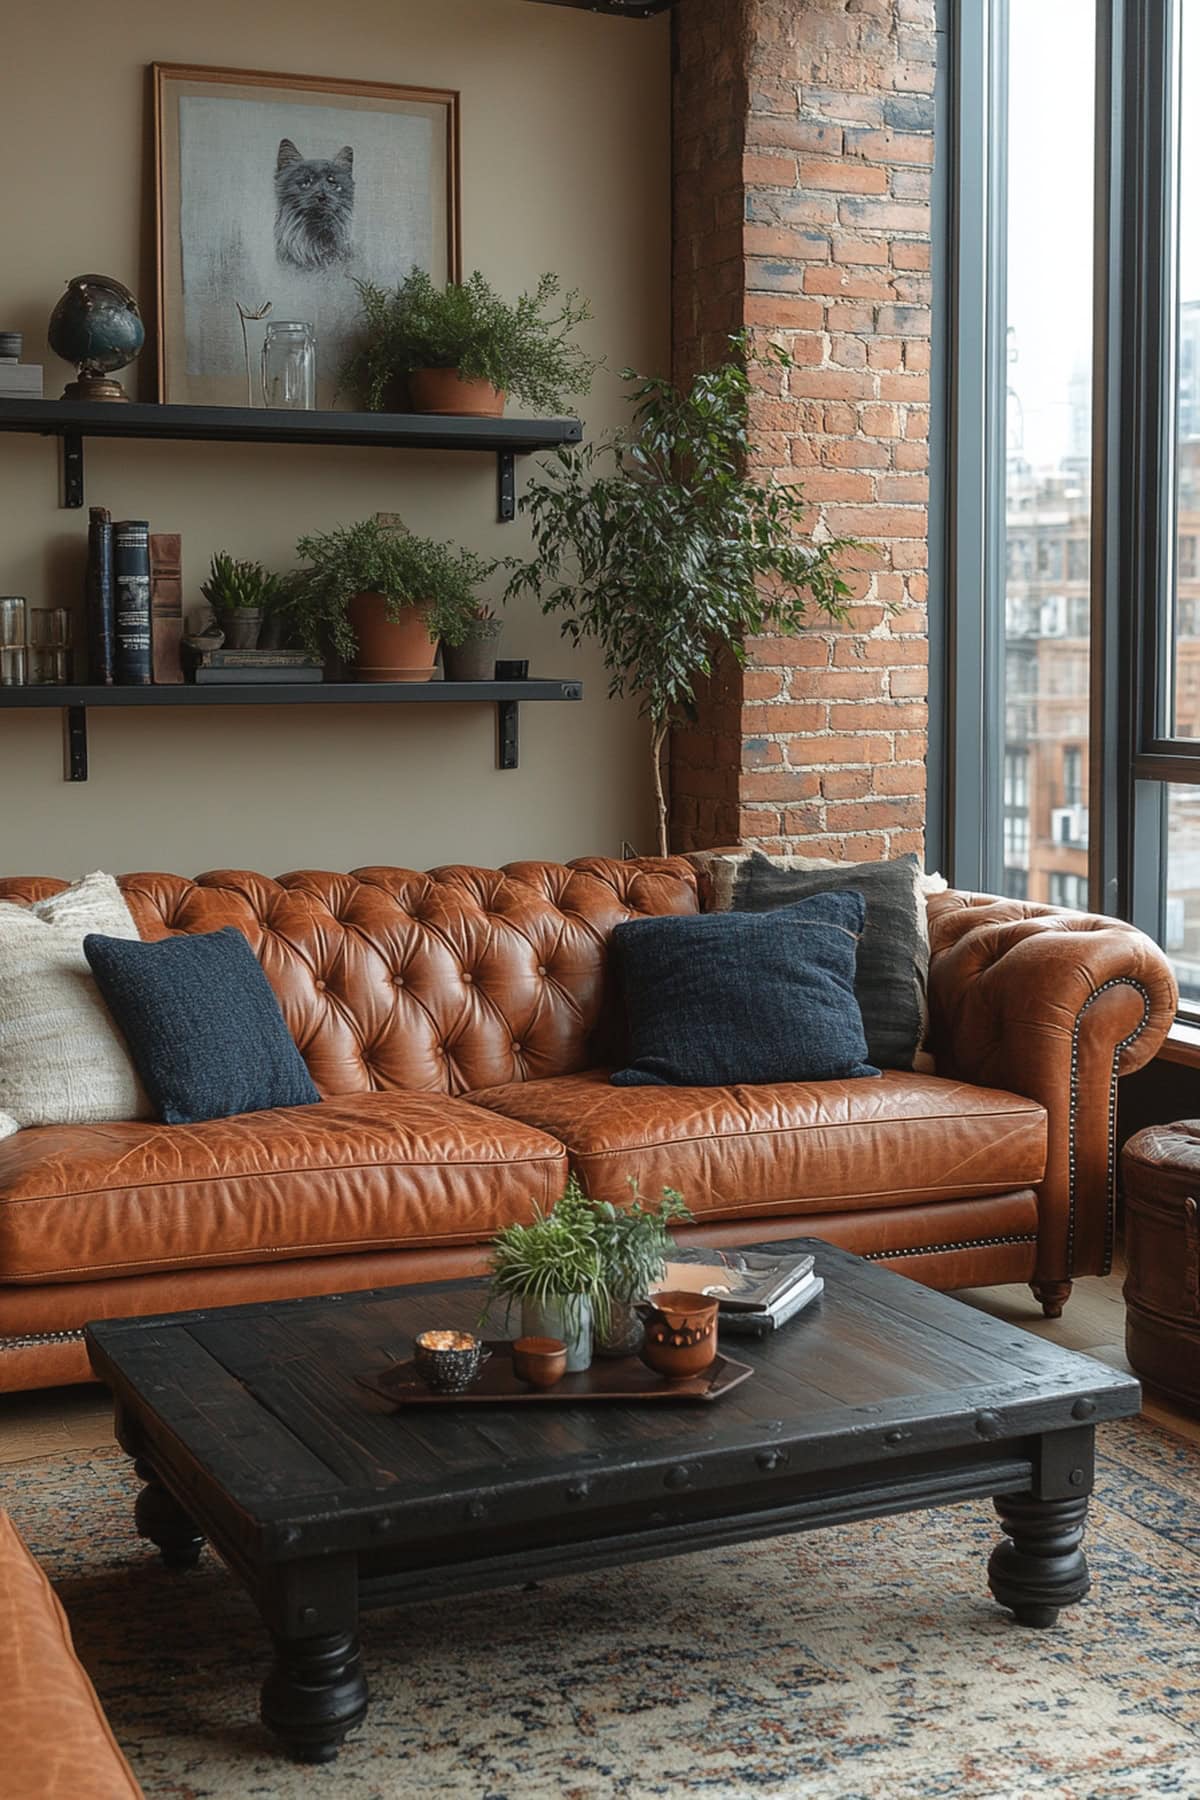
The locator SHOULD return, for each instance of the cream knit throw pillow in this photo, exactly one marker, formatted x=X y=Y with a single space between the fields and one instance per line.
x=62 y=1060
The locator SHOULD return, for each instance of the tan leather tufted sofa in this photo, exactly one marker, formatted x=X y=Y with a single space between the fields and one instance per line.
x=55 y=1742
x=459 y=1028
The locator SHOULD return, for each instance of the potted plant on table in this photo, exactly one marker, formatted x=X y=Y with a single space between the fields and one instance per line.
x=634 y=1243
x=462 y=349
x=554 y=1268
x=667 y=548
x=382 y=598
x=241 y=594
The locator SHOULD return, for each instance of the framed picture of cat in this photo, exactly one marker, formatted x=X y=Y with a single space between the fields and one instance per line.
x=275 y=193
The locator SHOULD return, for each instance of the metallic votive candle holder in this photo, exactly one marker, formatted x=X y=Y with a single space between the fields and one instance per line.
x=448 y=1361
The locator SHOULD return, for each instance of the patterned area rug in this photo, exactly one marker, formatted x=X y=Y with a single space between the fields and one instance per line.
x=861 y=1663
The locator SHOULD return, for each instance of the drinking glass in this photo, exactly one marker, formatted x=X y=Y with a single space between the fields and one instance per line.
x=49 y=646
x=12 y=640
x=289 y=366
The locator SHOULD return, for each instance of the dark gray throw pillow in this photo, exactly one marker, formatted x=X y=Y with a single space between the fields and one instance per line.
x=723 y=998
x=893 y=952
x=202 y=1023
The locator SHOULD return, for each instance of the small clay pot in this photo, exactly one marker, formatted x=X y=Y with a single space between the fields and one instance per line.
x=476 y=659
x=446 y=391
x=681 y=1334
x=390 y=649
x=541 y=1361
x=241 y=627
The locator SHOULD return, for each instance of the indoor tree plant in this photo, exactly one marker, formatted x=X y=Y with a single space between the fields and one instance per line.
x=381 y=598
x=461 y=348
x=554 y=1268
x=634 y=1243
x=241 y=594
x=663 y=545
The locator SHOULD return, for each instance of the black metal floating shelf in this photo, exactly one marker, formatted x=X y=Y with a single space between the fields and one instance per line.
x=75 y=420
x=507 y=696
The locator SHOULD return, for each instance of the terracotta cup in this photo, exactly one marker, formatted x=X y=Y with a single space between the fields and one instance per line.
x=390 y=649
x=681 y=1333
x=446 y=391
x=541 y=1361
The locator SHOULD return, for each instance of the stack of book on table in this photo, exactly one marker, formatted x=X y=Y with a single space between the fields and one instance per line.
x=758 y=1289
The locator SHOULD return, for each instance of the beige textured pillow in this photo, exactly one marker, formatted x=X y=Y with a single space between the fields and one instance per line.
x=62 y=1060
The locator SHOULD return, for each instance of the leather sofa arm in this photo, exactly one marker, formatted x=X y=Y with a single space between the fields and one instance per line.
x=1056 y=1006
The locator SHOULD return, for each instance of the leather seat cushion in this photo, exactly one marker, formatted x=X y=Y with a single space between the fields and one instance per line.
x=794 y=1147
x=363 y=1172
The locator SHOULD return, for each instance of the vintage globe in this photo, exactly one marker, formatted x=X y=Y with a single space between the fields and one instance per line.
x=96 y=325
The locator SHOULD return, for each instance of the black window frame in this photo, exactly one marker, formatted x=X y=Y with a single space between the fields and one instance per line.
x=1131 y=761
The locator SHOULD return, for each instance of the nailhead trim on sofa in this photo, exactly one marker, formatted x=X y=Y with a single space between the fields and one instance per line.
x=986 y=1243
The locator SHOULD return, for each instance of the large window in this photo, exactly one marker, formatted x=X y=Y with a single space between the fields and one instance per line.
x=1073 y=559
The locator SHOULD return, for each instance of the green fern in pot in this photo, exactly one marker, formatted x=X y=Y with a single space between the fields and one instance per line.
x=553 y=1267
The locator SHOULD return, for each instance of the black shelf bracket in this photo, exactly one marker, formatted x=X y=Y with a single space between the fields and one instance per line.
x=508 y=734
x=72 y=468
x=75 y=745
x=506 y=483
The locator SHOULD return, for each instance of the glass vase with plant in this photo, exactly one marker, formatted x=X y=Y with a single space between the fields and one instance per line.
x=462 y=348
x=666 y=545
x=554 y=1269
x=634 y=1243
x=241 y=594
x=381 y=598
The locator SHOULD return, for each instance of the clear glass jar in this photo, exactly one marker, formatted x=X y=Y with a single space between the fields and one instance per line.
x=289 y=366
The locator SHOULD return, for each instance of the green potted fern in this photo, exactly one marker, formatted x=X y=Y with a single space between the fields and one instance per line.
x=634 y=1242
x=462 y=348
x=382 y=598
x=554 y=1270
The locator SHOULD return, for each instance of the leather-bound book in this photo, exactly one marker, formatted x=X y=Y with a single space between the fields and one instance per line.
x=99 y=596
x=131 y=579
x=166 y=605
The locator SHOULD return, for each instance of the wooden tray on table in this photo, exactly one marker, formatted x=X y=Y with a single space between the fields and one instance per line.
x=625 y=1379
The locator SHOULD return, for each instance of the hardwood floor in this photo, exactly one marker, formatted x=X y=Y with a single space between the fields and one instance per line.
x=79 y=1418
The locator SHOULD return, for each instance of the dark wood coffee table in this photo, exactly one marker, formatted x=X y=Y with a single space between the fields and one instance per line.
x=249 y=1429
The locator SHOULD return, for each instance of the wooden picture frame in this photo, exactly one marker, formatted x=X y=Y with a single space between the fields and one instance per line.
x=278 y=191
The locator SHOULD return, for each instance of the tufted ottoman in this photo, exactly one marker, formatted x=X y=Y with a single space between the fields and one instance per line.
x=1161 y=1173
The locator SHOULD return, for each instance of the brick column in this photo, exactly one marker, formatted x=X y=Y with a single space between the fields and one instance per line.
x=803 y=135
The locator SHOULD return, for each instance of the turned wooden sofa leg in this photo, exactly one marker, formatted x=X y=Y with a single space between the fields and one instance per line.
x=1053 y=1296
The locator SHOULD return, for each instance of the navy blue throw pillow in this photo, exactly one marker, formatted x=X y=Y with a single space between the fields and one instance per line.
x=202 y=1023
x=743 y=997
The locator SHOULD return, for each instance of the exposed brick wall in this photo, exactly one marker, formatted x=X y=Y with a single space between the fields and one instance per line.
x=820 y=742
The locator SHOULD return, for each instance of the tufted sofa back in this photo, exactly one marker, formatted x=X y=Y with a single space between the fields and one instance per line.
x=456 y=979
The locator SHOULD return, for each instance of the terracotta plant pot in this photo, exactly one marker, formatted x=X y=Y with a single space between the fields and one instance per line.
x=446 y=391
x=476 y=659
x=390 y=649
x=681 y=1333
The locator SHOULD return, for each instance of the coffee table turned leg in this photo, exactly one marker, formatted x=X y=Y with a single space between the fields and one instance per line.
x=316 y=1693
x=159 y=1517
x=1039 y=1567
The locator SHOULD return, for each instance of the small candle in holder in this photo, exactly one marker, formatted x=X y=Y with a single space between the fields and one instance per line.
x=448 y=1361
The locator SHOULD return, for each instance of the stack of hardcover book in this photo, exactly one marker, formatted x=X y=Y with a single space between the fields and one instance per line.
x=18 y=380
x=758 y=1290
x=223 y=668
x=134 y=602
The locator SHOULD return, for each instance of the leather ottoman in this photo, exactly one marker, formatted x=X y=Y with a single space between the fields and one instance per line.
x=1160 y=1168
x=55 y=1741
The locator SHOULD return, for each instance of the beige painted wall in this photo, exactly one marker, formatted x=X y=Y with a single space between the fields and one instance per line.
x=565 y=166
